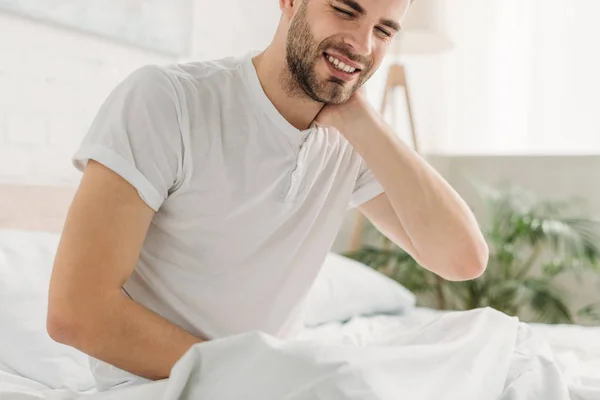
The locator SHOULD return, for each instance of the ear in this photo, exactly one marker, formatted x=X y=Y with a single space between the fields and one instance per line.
x=288 y=7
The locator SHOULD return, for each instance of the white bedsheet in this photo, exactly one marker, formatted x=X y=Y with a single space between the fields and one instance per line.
x=479 y=355
x=575 y=349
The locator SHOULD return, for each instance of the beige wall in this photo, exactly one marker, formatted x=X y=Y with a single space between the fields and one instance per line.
x=546 y=176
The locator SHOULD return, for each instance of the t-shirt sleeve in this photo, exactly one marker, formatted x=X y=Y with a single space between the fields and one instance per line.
x=367 y=187
x=137 y=134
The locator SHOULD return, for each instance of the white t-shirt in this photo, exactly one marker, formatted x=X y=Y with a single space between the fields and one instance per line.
x=247 y=206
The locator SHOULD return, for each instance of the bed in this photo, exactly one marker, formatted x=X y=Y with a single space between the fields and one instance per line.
x=364 y=339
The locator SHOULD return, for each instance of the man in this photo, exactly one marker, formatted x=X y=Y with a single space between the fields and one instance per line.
x=213 y=191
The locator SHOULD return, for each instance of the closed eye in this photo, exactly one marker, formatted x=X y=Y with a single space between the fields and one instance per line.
x=342 y=11
x=384 y=32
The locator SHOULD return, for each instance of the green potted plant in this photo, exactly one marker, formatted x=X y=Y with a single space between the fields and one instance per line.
x=532 y=244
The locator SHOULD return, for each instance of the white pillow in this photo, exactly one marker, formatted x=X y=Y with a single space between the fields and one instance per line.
x=346 y=288
x=26 y=260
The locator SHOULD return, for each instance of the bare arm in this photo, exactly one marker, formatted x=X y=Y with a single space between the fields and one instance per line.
x=103 y=234
x=381 y=213
x=419 y=211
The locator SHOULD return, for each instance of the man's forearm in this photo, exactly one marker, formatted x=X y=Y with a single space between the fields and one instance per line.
x=439 y=223
x=129 y=336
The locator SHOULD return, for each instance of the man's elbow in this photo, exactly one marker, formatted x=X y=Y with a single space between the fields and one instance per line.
x=68 y=325
x=61 y=327
x=469 y=263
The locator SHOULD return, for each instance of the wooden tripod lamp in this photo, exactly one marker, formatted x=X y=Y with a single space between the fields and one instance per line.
x=419 y=36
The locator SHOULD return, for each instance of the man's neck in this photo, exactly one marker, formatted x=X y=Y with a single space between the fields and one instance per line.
x=298 y=110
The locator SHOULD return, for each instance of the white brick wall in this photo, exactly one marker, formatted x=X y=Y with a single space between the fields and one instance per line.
x=52 y=82
x=232 y=27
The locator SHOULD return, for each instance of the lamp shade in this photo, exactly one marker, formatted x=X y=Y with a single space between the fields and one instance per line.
x=421 y=29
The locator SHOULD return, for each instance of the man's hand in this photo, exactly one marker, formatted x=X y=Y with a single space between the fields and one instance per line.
x=353 y=116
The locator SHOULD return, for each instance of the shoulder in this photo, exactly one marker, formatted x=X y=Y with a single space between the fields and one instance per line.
x=189 y=83
x=172 y=76
x=203 y=73
x=149 y=86
x=148 y=77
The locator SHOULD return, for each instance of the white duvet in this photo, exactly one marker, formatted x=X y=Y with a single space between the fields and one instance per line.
x=480 y=354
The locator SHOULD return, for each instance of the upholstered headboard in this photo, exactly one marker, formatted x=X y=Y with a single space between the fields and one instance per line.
x=41 y=208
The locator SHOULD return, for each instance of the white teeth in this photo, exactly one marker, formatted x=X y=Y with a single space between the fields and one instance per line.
x=340 y=65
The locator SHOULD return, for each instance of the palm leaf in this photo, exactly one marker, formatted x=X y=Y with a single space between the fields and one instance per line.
x=591 y=312
x=588 y=231
x=546 y=301
x=398 y=265
x=503 y=295
x=573 y=242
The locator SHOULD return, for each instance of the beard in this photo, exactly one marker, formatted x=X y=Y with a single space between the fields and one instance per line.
x=303 y=53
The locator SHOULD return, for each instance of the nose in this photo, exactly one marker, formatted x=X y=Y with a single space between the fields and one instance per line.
x=361 y=40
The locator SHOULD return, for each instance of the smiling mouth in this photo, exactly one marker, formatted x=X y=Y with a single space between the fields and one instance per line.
x=340 y=66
